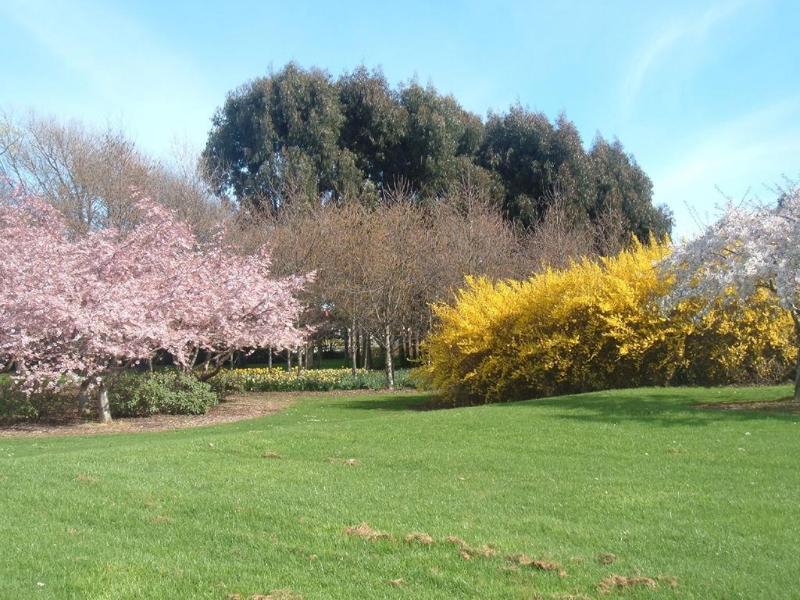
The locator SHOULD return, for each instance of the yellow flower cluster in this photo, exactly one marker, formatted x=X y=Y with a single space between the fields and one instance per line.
x=276 y=380
x=598 y=325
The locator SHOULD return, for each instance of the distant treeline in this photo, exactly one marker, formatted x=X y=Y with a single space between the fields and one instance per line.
x=299 y=135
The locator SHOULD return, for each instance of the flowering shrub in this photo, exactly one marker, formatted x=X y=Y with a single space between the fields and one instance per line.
x=599 y=325
x=280 y=380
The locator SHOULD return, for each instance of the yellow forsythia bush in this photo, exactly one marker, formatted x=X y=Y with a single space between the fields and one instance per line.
x=598 y=325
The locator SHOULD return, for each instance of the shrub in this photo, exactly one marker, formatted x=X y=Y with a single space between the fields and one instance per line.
x=597 y=325
x=16 y=406
x=168 y=392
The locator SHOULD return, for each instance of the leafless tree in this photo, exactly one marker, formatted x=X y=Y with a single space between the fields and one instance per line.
x=93 y=176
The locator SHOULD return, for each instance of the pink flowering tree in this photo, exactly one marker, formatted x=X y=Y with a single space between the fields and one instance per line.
x=746 y=249
x=72 y=309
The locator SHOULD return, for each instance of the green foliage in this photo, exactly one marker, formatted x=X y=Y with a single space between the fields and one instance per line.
x=16 y=406
x=276 y=138
x=308 y=380
x=643 y=474
x=538 y=160
x=134 y=394
x=297 y=135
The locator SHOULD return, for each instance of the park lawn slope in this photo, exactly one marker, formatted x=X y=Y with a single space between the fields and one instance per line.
x=706 y=497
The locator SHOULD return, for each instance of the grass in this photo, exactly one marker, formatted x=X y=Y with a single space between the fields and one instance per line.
x=708 y=497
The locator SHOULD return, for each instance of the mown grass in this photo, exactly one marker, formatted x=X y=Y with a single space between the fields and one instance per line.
x=708 y=497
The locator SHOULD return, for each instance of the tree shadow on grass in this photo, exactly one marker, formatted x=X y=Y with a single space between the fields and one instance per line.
x=406 y=402
x=663 y=406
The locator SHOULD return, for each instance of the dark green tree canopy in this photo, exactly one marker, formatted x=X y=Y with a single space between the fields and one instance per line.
x=298 y=135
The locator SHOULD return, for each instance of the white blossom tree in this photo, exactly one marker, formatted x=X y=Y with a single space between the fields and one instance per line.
x=749 y=247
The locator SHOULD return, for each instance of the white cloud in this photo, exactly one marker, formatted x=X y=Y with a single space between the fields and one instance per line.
x=688 y=30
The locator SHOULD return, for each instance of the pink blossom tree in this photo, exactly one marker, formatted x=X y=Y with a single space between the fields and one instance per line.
x=747 y=248
x=74 y=308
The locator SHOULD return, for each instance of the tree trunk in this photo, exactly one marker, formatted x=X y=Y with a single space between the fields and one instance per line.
x=309 y=356
x=388 y=362
x=288 y=359
x=367 y=351
x=83 y=399
x=796 y=318
x=269 y=357
x=103 y=408
x=353 y=349
x=797 y=379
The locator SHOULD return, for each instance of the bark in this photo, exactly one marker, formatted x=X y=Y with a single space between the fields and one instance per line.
x=288 y=359
x=219 y=363
x=388 y=364
x=367 y=351
x=309 y=356
x=269 y=357
x=83 y=398
x=796 y=318
x=353 y=348
x=103 y=408
x=797 y=379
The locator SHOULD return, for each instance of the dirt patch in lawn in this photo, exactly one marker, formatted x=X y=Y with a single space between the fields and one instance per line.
x=785 y=406
x=363 y=530
x=237 y=407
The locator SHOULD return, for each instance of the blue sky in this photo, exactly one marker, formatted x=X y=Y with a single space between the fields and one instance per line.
x=706 y=95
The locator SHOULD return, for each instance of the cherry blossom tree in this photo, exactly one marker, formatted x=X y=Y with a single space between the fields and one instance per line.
x=73 y=308
x=749 y=247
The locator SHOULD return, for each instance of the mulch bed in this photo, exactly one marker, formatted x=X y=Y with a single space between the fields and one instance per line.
x=237 y=407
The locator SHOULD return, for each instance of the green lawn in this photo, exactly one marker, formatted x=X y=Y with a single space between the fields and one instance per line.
x=708 y=497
